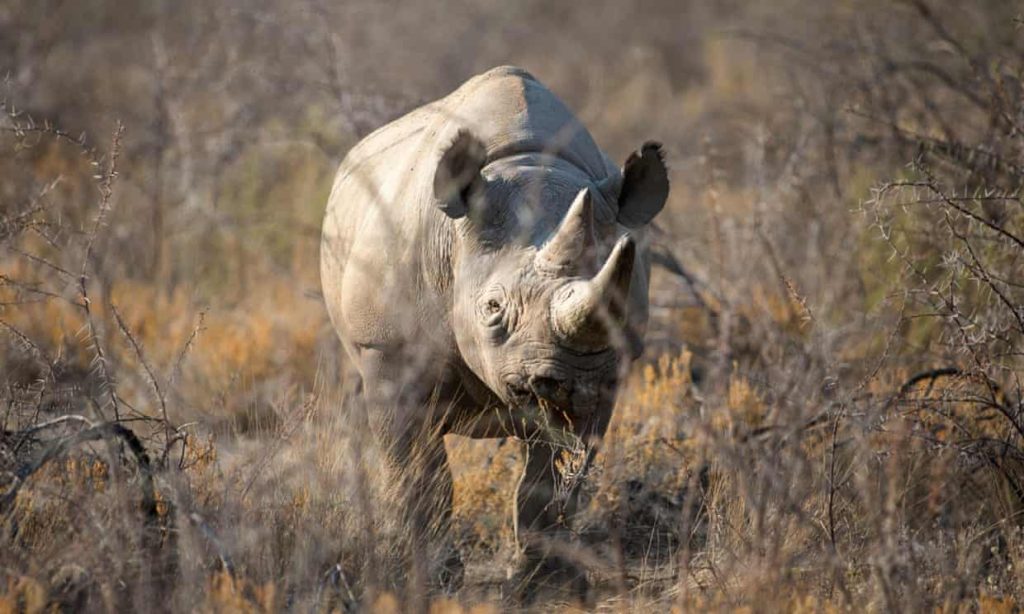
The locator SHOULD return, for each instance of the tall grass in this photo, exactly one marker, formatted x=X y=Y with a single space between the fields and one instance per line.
x=829 y=414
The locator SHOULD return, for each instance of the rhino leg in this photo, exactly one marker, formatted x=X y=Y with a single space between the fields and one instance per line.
x=410 y=435
x=545 y=503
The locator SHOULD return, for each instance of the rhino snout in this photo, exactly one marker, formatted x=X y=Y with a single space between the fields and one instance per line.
x=518 y=390
x=554 y=390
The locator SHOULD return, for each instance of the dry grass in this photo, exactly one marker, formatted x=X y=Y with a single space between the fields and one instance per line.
x=829 y=414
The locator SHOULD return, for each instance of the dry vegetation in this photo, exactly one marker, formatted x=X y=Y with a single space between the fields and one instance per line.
x=829 y=415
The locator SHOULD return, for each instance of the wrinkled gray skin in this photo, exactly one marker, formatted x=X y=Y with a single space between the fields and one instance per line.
x=483 y=263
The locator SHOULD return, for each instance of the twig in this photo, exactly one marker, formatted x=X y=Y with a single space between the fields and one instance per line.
x=106 y=190
x=56 y=422
x=930 y=375
x=176 y=371
x=107 y=430
x=169 y=431
x=930 y=185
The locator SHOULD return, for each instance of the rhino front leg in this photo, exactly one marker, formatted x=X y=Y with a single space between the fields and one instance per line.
x=399 y=414
x=546 y=500
x=424 y=495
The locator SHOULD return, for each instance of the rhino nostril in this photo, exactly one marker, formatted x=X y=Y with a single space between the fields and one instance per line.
x=517 y=390
x=549 y=389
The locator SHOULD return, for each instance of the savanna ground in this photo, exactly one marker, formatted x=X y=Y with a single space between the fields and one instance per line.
x=829 y=413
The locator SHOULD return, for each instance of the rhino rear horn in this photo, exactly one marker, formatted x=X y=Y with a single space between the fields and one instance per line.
x=584 y=314
x=570 y=251
x=457 y=171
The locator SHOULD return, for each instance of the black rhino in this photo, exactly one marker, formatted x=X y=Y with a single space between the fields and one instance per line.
x=484 y=265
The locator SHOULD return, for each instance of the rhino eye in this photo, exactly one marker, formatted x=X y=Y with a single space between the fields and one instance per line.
x=494 y=313
x=492 y=308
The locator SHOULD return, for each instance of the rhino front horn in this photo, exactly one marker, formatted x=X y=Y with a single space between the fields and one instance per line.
x=583 y=313
x=571 y=249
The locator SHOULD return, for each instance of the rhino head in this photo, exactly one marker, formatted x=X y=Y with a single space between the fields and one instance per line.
x=542 y=292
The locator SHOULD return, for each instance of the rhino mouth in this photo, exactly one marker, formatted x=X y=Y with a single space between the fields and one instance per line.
x=546 y=397
x=538 y=418
x=529 y=418
x=544 y=423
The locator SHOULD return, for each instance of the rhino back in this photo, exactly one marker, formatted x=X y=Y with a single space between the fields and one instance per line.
x=513 y=113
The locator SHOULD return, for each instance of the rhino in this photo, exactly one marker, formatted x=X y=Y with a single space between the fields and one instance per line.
x=485 y=266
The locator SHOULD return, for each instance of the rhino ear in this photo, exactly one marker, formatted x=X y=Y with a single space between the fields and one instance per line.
x=457 y=171
x=644 y=186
